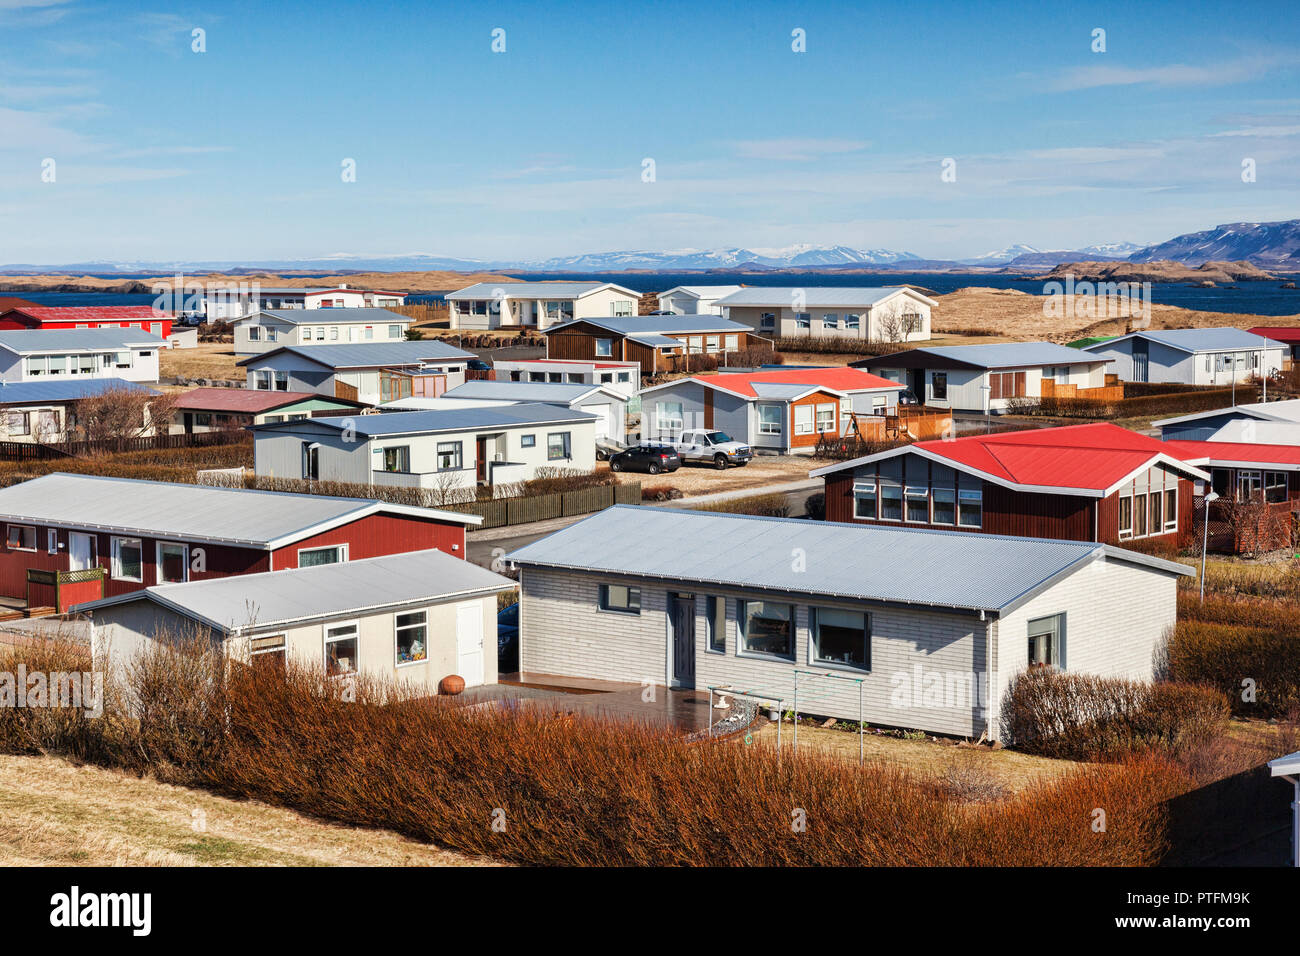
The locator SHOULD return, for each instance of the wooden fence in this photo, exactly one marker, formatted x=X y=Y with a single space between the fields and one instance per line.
x=1111 y=392
x=33 y=451
x=511 y=511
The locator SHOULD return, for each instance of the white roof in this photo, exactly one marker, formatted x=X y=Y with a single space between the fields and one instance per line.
x=820 y=296
x=535 y=290
x=1248 y=431
x=1285 y=411
x=1194 y=341
x=1285 y=766
x=703 y=291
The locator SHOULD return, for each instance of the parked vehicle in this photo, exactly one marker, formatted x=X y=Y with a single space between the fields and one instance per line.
x=908 y=397
x=508 y=639
x=478 y=365
x=648 y=458
x=707 y=444
x=607 y=447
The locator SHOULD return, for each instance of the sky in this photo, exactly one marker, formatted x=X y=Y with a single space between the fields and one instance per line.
x=120 y=142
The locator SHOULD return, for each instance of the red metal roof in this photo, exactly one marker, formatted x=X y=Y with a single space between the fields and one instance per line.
x=246 y=400
x=1093 y=456
x=92 y=313
x=839 y=378
x=1226 y=452
x=1278 y=333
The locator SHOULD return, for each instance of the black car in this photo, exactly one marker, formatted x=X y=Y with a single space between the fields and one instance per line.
x=477 y=365
x=508 y=639
x=648 y=458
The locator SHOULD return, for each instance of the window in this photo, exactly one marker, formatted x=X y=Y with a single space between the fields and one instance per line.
x=623 y=377
x=1125 y=516
x=341 y=649
x=803 y=320
x=623 y=307
x=945 y=505
x=536 y=376
x=450 y=456
x=695 y=344
x=970 y=507
x=557 y=446
x=254 y=333
x=52 y=541
x=891 y=502
x=767 y=320
x=1275 y=486
x=555 y=377
x=394 y=331
x=18 y=423
x=86 y=364
x=1249 y=485
x=715 y=609
x=370 y=332
x=766 y=628
x=840 y=637
x=918 y=504
x=21 y=538
x=173 y=562
x=852 y=321
x=803 y=419
x=281 y=381
x=527 y=441
x=769 y=419
x=397 y=459
x=620 y=599
x=36 y=365
x=864 y=499
x=559 y=311
x=939 y=385
x=412 y=635
x=712 y=344
x=315 y=557
x=311 y=461
x=731 y=342
x=1157 y=512
x=1171 y=509
x=575 y=378
x=669 y=416
x=604 y=347
x=826 y=418
x=1006 y=385
x=262 y=379
x=128 y=559
x=830 y=320
x=1045 y=641
x=271 y=334
x=1139 y=515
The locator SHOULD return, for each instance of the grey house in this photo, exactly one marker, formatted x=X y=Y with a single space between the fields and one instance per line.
x=1191 y=356
x=929 y=626
x=271 y=328
x=372 y=373
x=1236 y=422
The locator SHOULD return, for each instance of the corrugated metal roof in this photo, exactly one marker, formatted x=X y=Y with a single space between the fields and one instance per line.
x=254 y=602
x=948 y=569
x=648 y=325
x=330 y=316
x=779 y=390
x=1278 y=333
x=839 y=378
x=1009 y=354
x=30 y=341
x=93 y=313
x=1198 y=340
x=554 y=393
x=247 y=400
x=703 y=291
x=371 y=354
x=813 y=296
x=64 y=390
x=1232 y=453
x=429 y=421
x=532 y=290
x=1284 y=411
x=244 y=517
x=1240 y=430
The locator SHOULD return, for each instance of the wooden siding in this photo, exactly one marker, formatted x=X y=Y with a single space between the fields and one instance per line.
x=377 y=535
x=815 y=399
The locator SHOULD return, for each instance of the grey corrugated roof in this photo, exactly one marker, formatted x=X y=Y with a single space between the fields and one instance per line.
x=428 y=421
x=1006 y=355
x=330 y=316
x=554 y=393
x=655 y=340
x=868 y=562
x=254 y=602
x=659 y=324
x=370 y=354
x=64 y=390
x=813 y=296
x=532 y=290
x=1196 y=340
x=77 y=340
x=237 y=516
x=783 y=390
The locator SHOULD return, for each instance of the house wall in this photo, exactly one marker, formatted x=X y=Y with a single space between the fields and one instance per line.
x=377 y=535
x=1166 y=364
x=144 y=366
x=1201 y=429
x=869 y=327
x=280 y=454
x=574 y=373
x=45 y=422
x=304 y=332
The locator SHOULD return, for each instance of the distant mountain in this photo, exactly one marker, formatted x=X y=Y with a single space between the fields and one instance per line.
x=802 y=254
x=1001 y=257
x=1267 y=244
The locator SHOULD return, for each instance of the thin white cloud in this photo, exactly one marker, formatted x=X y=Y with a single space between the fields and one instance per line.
x=1222 y=73
x=797 y=150
x=1261 y=131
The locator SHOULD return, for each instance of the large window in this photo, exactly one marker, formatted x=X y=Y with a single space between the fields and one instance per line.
x=891 y=502
x=173 y=562
x=803 y=419
x=21 y=538
x=1171 y=509
x=558 y=446
x=311 y=461
x=128 y=559
x=766 y=628
x=397 y=458
x=1249 y=485
x=1006 y=385
x=412 y=636
x=314 y=557
x=945 y=505
x=341 y=649
x=1139 y=515
x=918 y=504
x=803 y=320
x=826 y=418
x=1125 y=516
x=604 y=348
x=767 y=320
x=939 y=385
x=669 y=416
x=864 y=499
x=769 y=419
x=970 y=507
x=18 y=423
x=450 y=456
x=620 y=599
x=1275 y=486
x=1045 y=641
x=840 y=637
x=715 y=609
x=852 y=321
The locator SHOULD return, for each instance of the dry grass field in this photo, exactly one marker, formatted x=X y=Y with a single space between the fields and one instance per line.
x=206 y=360
x=53 y=813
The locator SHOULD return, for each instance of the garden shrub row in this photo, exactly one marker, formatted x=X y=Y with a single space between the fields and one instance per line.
x=1257 y=667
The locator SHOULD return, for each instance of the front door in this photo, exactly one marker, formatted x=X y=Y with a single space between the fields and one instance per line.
x=480 y=459
x=469 y=643
x=916 y=382
x=81 y=551
x=682 y=613
x=1140 y=360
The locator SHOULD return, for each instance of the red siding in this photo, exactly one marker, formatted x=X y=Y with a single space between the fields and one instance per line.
x=377 y=535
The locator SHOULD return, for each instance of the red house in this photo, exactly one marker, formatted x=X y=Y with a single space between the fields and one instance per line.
x=141 y=317
x=1096 y=482
x=74 y=538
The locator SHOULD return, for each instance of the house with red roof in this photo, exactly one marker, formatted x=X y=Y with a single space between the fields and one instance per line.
x=1288 y=335
x=218 y=409
x=40 y=317
x=782 y=411
x=1097 y=482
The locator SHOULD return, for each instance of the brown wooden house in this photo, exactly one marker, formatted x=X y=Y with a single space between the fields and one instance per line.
x=659 y=343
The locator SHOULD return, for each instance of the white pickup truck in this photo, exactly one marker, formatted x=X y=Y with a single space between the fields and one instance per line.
x=707 y=444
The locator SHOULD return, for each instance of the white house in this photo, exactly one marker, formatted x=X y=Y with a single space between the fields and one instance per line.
x=270 y=329
x=624 y=377
x=926 y=628
x=980 y=378
x=1273 y=423
x=240 y=300
x=411 y=618
x=1217 y=356
x=44 y=409
x=608 y=406
x=873 y=313
x=537 y=305
x=448 y=451
x=695 y=299
x=370 y=373
x=128 y=354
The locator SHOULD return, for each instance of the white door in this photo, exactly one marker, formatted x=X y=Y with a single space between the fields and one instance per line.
x=602 y=419
x=81 y=551
x=469 y=643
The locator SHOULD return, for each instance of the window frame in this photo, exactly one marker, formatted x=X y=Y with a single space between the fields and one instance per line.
x=458 y=459
x=715 y=642
x=970 y=494
x=398 y=628
x=115 y=558
x=604 y=605
x=742 y=631
x=814 y=639
x=158 y=560
x=1056 y=645
x=342 y=549
x=326 y=641
x=765 y=427
x=566 y=446
x=22 y=528
x=866 y=489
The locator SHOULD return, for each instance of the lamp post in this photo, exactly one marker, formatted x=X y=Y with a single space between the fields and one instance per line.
x=988 y=407
x=1210 y=496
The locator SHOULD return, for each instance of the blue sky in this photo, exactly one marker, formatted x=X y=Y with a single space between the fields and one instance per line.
x=235 y=153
